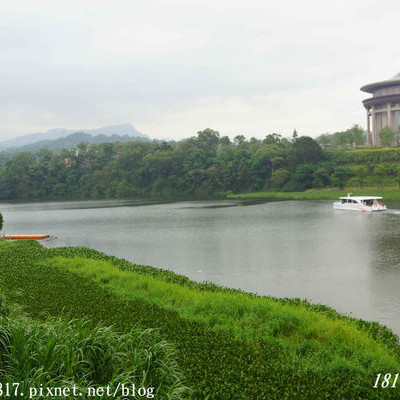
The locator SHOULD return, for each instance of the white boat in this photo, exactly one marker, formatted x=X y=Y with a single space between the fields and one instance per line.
x=360 y=203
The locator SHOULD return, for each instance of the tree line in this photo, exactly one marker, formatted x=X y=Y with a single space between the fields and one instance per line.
x=356 y=137
x=203 y=164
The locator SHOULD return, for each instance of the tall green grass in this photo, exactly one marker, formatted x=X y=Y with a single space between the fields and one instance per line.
x=61 y=352
x=310 y=340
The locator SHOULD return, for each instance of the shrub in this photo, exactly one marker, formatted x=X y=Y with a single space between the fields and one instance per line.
x=280 y=177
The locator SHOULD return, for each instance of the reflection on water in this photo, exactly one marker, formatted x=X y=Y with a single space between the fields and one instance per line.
x=348 y=260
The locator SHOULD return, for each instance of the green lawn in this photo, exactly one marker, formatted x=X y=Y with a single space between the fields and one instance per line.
x=388 y=194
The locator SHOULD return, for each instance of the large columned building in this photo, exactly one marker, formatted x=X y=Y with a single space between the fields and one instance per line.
x=383 y=108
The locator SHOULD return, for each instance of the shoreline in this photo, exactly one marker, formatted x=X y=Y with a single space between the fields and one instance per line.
x=316 y=195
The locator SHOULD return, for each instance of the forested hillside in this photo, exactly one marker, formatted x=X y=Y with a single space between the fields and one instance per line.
x=204 y=164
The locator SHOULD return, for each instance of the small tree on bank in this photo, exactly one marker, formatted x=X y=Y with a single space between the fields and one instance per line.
x=386 y=136
x=1 y=222
x=356 y=135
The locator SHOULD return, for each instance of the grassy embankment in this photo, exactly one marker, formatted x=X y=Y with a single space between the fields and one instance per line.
x=320 y=194
x=229 y=344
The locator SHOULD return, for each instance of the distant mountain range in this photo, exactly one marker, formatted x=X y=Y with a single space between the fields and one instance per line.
x=57 y=139
x=71 y=141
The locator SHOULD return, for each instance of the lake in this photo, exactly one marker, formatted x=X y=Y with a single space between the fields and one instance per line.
x=347 y=260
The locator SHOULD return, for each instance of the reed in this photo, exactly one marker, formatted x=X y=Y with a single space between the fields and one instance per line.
x=63 y=352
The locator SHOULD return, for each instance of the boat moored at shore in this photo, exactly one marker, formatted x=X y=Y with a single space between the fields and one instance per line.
x=360 y=203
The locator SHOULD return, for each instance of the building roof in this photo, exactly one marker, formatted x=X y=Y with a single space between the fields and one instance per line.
x=371 y=87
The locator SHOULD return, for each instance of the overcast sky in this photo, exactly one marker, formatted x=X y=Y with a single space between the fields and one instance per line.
x=174 y=67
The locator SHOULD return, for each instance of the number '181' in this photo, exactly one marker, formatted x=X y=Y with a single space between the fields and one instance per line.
x=387 y=381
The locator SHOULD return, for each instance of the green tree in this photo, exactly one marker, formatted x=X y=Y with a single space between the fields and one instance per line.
x=361 y=174
x=380 y=172
x=294 y=136
x=273 y=138
x=325 y=139
x=279 y=177
x=209 y=140
x=307 y=150
x=225 y=141
x=302 y=178
x=321 y=177
x=398 y=176
x=356 y=135
x=386 y=136
x=361 y=171
x=340 y=176
x=397 y=136
x=1 y=221
x=340 y=139
x=356 y=181
x=239 y=140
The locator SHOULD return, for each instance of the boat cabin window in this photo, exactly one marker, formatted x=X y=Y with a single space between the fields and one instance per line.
x=346 y=201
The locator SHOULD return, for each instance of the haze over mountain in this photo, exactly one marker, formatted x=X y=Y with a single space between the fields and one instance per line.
x=53 y=134
x=71 y=141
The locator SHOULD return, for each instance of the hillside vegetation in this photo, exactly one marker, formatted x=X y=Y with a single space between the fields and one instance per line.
x=214 y=343
x=206 y=164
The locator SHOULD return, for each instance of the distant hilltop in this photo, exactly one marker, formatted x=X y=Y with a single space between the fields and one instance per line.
x=53 y=134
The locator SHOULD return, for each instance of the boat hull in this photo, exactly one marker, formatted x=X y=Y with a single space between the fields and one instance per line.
x=358 y=207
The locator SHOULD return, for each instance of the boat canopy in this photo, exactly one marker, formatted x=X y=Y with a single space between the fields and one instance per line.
x=361 y=198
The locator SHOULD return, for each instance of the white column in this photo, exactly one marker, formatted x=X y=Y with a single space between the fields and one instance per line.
x=374 y=137
x=368 y=129
x=389 y=115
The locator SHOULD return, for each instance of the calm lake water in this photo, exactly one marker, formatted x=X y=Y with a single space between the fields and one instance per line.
x=347 y=260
